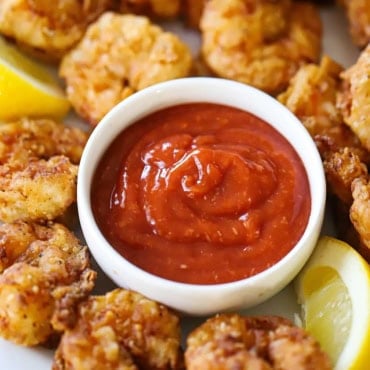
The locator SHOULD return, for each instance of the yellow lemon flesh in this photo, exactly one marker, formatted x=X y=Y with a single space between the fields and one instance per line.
x=334 y=291
x=27 y=88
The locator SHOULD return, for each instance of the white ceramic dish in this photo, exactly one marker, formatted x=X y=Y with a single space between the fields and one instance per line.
x=190 y=298
x=338 y=45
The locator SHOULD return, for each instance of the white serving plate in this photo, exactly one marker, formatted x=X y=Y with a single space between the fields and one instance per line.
x=338 y=45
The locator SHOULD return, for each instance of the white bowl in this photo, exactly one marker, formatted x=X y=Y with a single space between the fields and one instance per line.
x=192 y=298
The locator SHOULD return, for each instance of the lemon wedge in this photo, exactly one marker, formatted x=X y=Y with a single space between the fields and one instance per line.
x=334 y=291
x=27 y=88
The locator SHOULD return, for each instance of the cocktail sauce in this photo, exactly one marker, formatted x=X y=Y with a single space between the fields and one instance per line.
x=201 y=193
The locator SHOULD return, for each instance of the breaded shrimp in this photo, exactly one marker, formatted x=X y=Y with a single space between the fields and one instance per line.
x=39 y=292
x=354 y=99
x=230 y=341
x=14 y=240
x=48 y=28
x=259 y=42
x=121 y=330
x=119 y=55
x=312 y=96
x=341 y=169
x=151 y=8
x=360 y=209
x=358 y=14
x=38 y=169
x=39 y=190
x=39 y=138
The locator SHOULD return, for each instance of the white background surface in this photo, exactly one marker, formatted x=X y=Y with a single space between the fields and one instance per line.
x=338 y=45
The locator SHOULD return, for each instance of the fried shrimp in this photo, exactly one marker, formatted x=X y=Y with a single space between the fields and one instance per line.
x=360 y=209
x=38 y=169
x=312 y=96
x=14 y=240
x=121 y=330
x=39 y=138
x=119 y=55
x=259 y=42
x=41 y=190
x=249 y=343
x=341 y=169
x=151 y=8
x=48 y=28
x=358 y=14
x=354 y=99
x=48 y=276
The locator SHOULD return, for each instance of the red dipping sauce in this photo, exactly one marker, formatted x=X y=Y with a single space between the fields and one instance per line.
x=201 y=193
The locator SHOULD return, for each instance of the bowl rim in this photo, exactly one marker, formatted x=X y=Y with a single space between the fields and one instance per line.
x=162 y=100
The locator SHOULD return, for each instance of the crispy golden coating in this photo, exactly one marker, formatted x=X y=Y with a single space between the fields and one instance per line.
x=233 y=342
x=358 y=14
x=48 y=28
x=38 y=170
x=14 y=240
x=151 y=8
x=39 y=138
x=121 y=330
x=26 y=305
x=354 y=100
x=341 y=169
x=41 y=190
x=259 y=42
x=119 y=55
x=50 y=275
x=360 y=209
x=337 y=138
x=312 y=96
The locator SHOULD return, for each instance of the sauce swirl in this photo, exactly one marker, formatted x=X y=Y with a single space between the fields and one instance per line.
x=201 y=193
